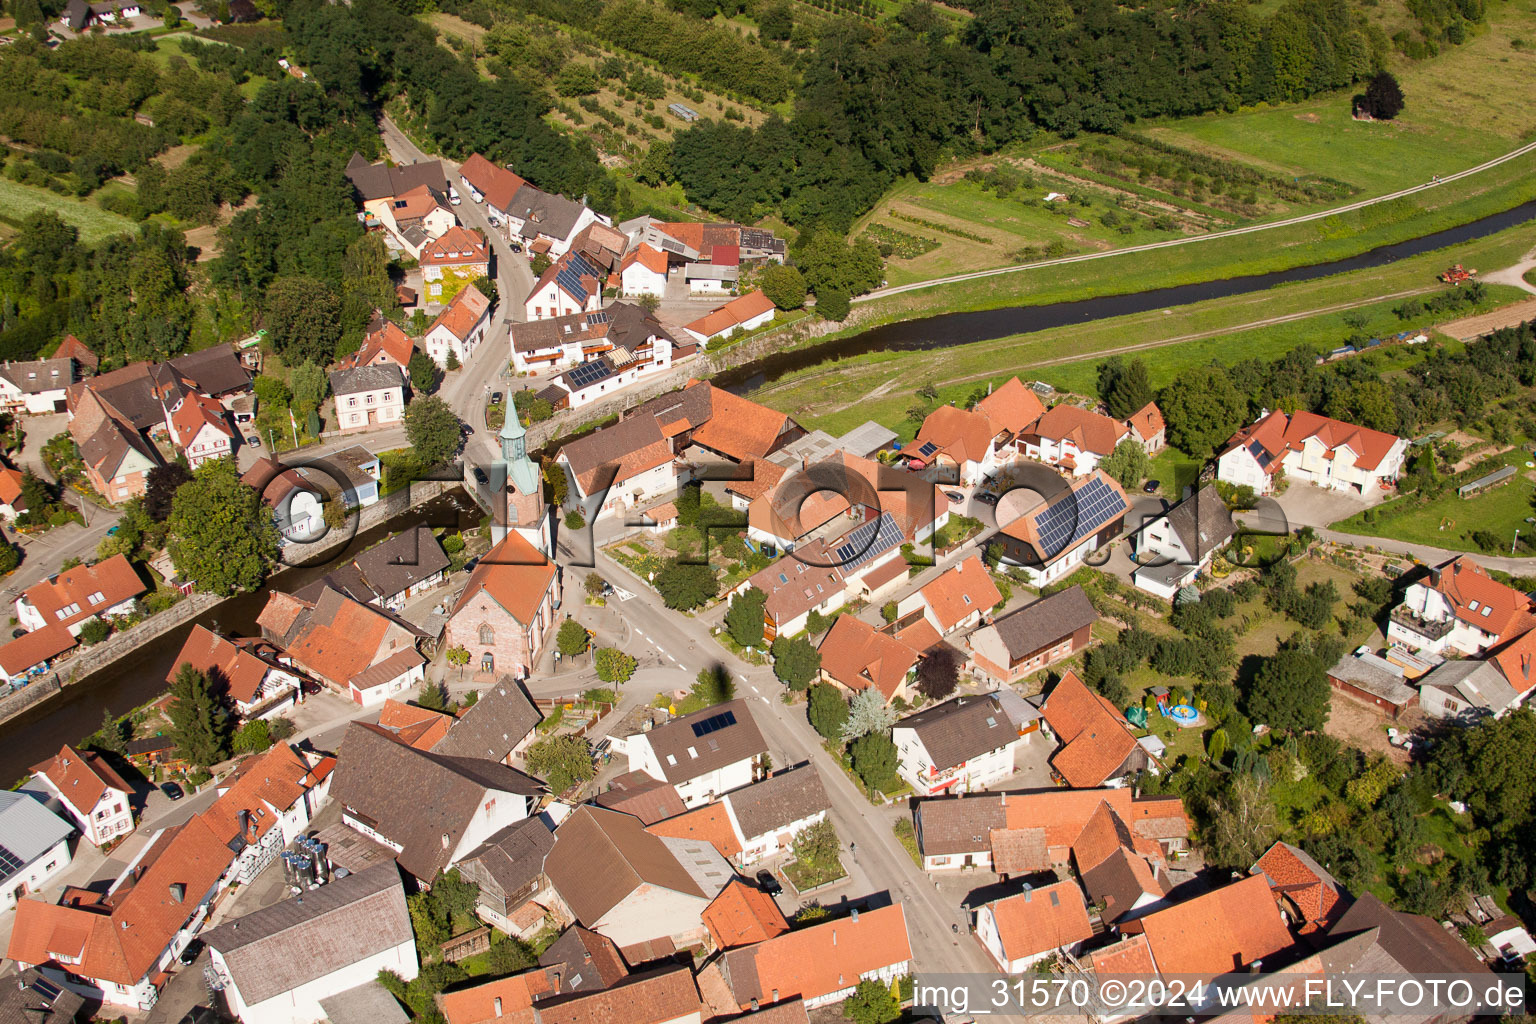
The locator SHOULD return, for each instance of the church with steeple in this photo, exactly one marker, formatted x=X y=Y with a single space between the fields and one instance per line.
x=523 y=508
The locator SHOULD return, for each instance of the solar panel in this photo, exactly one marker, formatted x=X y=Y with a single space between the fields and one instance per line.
x=45 y=988
x=9 y=863
x=927 y=449
x=570 y=280
x=670 y=246
x=588 y=374
x=714 y=723
x=1068 y=520
x=597 y=318
x=866 y=542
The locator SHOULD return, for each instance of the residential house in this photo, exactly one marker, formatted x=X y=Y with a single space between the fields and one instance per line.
x=718 y=423
x=692 y=241
x=549 y=224
x=350 y=476
x=1218 y=932
x=711 y=278
x=89 y=792
x=104 y=590
x=395 y=570
x=659 y=995
x=961 y=745
x=797 y=585
x=73 y=348
x=966 y=446
x=856 y=656
x=415 y=217
x=643 y=271
x=384 y=343
x=368 y=396
x=702 y=755
x=1148 y=428
x=1052 y=539
x=1021 y=930
x=502 y=1001
x=200 y=430
x=707 y=823
x=770 y=815
x=1010 y=833
x=636 y=793
x=36 y=386
x=1311 y=898
x=459 y=252
x=29 y=654
x=431 y=809
x=821 y=963
x=279 y=962
x=377 y=183
x=414 y=725
x=253 y=674
x=496 y=185
x=1072 y=439
x=116 y=455
x=957 y=599
x=1375 y=681
x=574 y=282
x=1173 y=549
x=297 y=503
x=1098 y=747
x=1467 y=691
x=747 y=313
x=37 y=845
x=585 y=960
x=634 y=887
x=499 y=727
x=267 y=803
x=36 y=1000
x=623 y=344
x=460 y=328
x=515 y=894
x=356 y=649
x=1039 y=634
x=12 y=504
x=114 y=946
x=1313 y=449
x=620 y=467
x=743 y=915
x=506 y=610
x=1458 y=607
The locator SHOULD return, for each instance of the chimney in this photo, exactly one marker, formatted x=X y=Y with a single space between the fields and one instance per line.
x=1525 y=665
x=445 y=840
x=1002 y=800
x=178 y=891
x=855 y=915
x=554 y=980
x=775 y=995
x=1256 y=967
x=754 y=1004
x=498 y=1006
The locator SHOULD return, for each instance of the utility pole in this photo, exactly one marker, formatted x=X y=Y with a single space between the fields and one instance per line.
x=1515 y=542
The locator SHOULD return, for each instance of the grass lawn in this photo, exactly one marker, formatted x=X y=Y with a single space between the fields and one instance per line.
x=1448 y=522
x=804 y=875
x=836 y=396
x=19 y=201
x=1174 y=471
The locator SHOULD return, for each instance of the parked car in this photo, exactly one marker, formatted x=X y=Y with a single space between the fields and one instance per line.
x=172 y=790
x=253 y=441
x=955 y=496
x=469 y=566
x=453 y=196
x=1151 y=486
x=987 y=498
x=769 y=884
x=516 y=247
x=496 y=397
x=191 y=953
x=475 y=194
x=481 y=478
x=493 y=220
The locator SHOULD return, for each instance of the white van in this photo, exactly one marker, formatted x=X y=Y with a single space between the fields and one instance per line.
x=453 y=196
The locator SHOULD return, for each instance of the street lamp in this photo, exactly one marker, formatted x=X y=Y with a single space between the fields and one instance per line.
x=1514 y=542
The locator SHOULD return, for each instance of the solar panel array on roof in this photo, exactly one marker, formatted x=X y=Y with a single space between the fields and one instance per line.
x=45 y=988
x=1069 y=520
x=570 y=276
x=588 y=374
x=597 y=318
x=672 y=245
x=9 y=863
x=927 y=449
x=714 y=724
x=866 y=542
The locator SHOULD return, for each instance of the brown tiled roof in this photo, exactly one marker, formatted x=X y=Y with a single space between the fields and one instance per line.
x=1038 y=920
x=591 y=961
x=1012 y=407
x=454 y=246
x=723 y=746
x=635 y=444
x=1416 y=943
x=341 y=638
x=214 y=371
x=197 y=412
x=962 y=434
x=402 y=561
x=1090 y=431
x=1094 y=735
x=778 y=801
x=600 y=857
x=73 y=348
x=506 y=1000
x=10 y=487
x=1118 y=881
x=414 y=797
x=463 y=312
x=819 y=959
x=799 y=582
x=83 y=778
x=743 y=914
x=516 y=576
x=652 y=997
x=648 y=799
x=239 y=669
x=959 y=591
x=732 y=314
x=265 y=786
x=380 y=180
x=739 y=428
x=1217 y=932
x=711 y=823
x=952 y=825
x=514 y=856
x=1020 y=851
x=858 y=655
x=957 y=730
x=497 y=184
x=281 y=612
x=500 y=720
x=114 y=579
x=1045 y=622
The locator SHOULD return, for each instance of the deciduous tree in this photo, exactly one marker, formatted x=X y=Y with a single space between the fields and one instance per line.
x=827 y=710
x=613 y=665
x=572 y=639
x=684 y=586
x=432 y=429
x=222 y=536
x=938 y=673
x=1202 y=409
x=795 y=661
x=785 y=286
x=875 y=759
x=303 y=315
x=1127 y=464
x=744 y=618
x=561 y=761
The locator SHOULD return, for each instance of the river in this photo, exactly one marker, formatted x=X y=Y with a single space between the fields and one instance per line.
x=949 y=329
x=139 y=676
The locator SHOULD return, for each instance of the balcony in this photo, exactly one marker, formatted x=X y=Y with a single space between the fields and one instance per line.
x=1430 y=629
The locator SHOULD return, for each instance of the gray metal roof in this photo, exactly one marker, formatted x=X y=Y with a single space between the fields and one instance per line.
x=866 y=439
x=366 y=378
x=27 y=831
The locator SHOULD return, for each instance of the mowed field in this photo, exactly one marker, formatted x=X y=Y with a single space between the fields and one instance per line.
x=836 y=396
x=17 y=202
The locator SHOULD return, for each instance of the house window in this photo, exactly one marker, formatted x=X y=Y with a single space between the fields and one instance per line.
x=351 y=401
x=369 y=399
x=487 y=635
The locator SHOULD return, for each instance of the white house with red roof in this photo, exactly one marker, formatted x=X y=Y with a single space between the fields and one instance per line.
x=821 y=963
x=1459 y=607
x=1314 y=449
x=91 y=794
x=459 y=250
x=460 y=328
x=266 y=803
x=1076 y=439
x=200 y=429
x=643 y=271
x=253 y=673
x=384 y=343
x=11 y=502
x=965 y=446
x=1098 y=747
x=1023 y=929
x=1310 y=896
x=957 y=599
x=747 y=313
x=105 y=590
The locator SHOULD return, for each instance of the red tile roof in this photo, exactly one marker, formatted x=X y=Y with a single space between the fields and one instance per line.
x=115 y=580
x=414 y=726
x=34 y=648
x=497 y=184
x=1012 y=406
x=964 y=435
x=1090 y=431
x=711 y=823
x=743 y=914
x=738 y=427
x=457 y=245
x=73 y=348
x=415 y=203
x=1128 y=956
x=1293 y=874
x=1039 y=920
x=859 y=656
x=10 y=486
x=515 y=575
x=1094 y=735
x=505 y=999
x=651 y=259
x=731 y=315
x=83 y=778
x=820 y=959
x=1105 y=833
x=386 y=344
x=265 y=786
x=959 y=591
x=1277 y=433
x=1224 y=930
x=206 y=651
x=196 y=412
x=1147 y=421
x=463 y=313
x=1479 y=599
x=345 y=645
